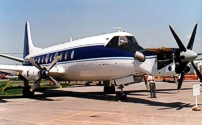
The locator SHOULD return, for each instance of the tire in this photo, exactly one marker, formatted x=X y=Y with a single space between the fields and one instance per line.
x=109 y=89
x=26 y=93
x=106 y=89
x=121 y=96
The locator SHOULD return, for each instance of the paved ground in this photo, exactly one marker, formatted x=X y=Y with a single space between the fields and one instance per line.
x=87 y=105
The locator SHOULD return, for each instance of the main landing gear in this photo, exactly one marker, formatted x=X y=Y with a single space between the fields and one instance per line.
x=26 y=90
x=108 y=87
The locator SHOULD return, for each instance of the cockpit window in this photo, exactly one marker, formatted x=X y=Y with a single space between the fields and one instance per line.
x=122 y=40
x=131 y=39
x=127 y=43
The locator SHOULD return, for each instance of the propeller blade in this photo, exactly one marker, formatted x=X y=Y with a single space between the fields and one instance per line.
x=181 y=79
x=181 y=46
x=56 y=58
x=197 y=71
x=191 y=41
x=35 y=64
x=146 y=83
x=36 y=83
x=55 y=82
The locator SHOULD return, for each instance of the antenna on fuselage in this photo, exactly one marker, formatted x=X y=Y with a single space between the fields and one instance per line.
x=119 y=29
x=70 y=39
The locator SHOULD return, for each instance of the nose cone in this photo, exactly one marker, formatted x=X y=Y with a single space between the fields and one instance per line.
x=189 y=56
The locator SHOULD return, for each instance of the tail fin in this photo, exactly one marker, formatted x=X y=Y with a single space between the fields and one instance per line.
x=28 y=45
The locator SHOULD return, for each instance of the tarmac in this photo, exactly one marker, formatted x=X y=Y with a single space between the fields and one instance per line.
x=87 y=105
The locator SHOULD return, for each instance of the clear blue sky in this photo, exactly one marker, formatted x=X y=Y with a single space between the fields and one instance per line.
x=54 y=21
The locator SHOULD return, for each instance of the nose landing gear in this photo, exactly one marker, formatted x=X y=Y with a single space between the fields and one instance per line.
x=121 y=95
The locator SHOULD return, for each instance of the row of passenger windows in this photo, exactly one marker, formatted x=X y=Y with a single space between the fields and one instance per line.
x=50 y=57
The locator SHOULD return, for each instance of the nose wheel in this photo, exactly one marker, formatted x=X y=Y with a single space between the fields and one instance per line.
x=121 y=95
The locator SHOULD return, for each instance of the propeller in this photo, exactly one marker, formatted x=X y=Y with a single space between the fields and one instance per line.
x=185 y=55
x=44 y=72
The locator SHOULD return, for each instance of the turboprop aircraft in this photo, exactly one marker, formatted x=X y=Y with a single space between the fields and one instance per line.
x=114 y=58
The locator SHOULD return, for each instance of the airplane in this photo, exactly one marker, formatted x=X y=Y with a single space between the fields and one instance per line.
x=114 y=58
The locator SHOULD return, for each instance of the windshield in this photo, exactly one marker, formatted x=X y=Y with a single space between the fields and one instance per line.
x=127 y=43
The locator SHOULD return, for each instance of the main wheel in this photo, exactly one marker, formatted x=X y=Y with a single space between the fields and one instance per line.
x=121 y=96
x=26 y=92
x=109 y=89
x=99 y=83
x=87 y=84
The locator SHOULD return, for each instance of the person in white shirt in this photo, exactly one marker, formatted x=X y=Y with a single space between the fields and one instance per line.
x=151 y=80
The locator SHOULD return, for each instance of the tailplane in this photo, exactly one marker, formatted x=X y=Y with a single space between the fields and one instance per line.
x=28 y=45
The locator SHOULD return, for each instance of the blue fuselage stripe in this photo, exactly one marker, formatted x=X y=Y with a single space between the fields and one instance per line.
x=83 y=53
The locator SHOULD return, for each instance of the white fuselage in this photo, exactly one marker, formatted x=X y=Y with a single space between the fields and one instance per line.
x=89 y=59
x=86 y=59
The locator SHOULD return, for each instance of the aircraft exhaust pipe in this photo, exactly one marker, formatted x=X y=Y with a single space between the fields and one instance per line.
x=139 y=56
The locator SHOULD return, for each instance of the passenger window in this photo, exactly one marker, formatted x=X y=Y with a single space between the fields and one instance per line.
x=50 y=59
x=56 y=54
x=60 y=56
x=47 y=57
x=42 y=59
x=66 y=55
x=72 y=54
x=39 y=60
x=35 y=59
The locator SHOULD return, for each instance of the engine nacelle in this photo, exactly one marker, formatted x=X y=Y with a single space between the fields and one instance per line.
x=139 y=56
x=30 y=73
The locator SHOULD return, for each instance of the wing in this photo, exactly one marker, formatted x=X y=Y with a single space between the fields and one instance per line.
x=12 y=69
x=12 y=57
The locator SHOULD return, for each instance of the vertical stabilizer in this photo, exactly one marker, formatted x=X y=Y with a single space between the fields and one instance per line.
x=28 y=45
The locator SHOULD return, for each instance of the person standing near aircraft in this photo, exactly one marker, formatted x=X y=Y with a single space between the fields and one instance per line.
x=152 y=85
